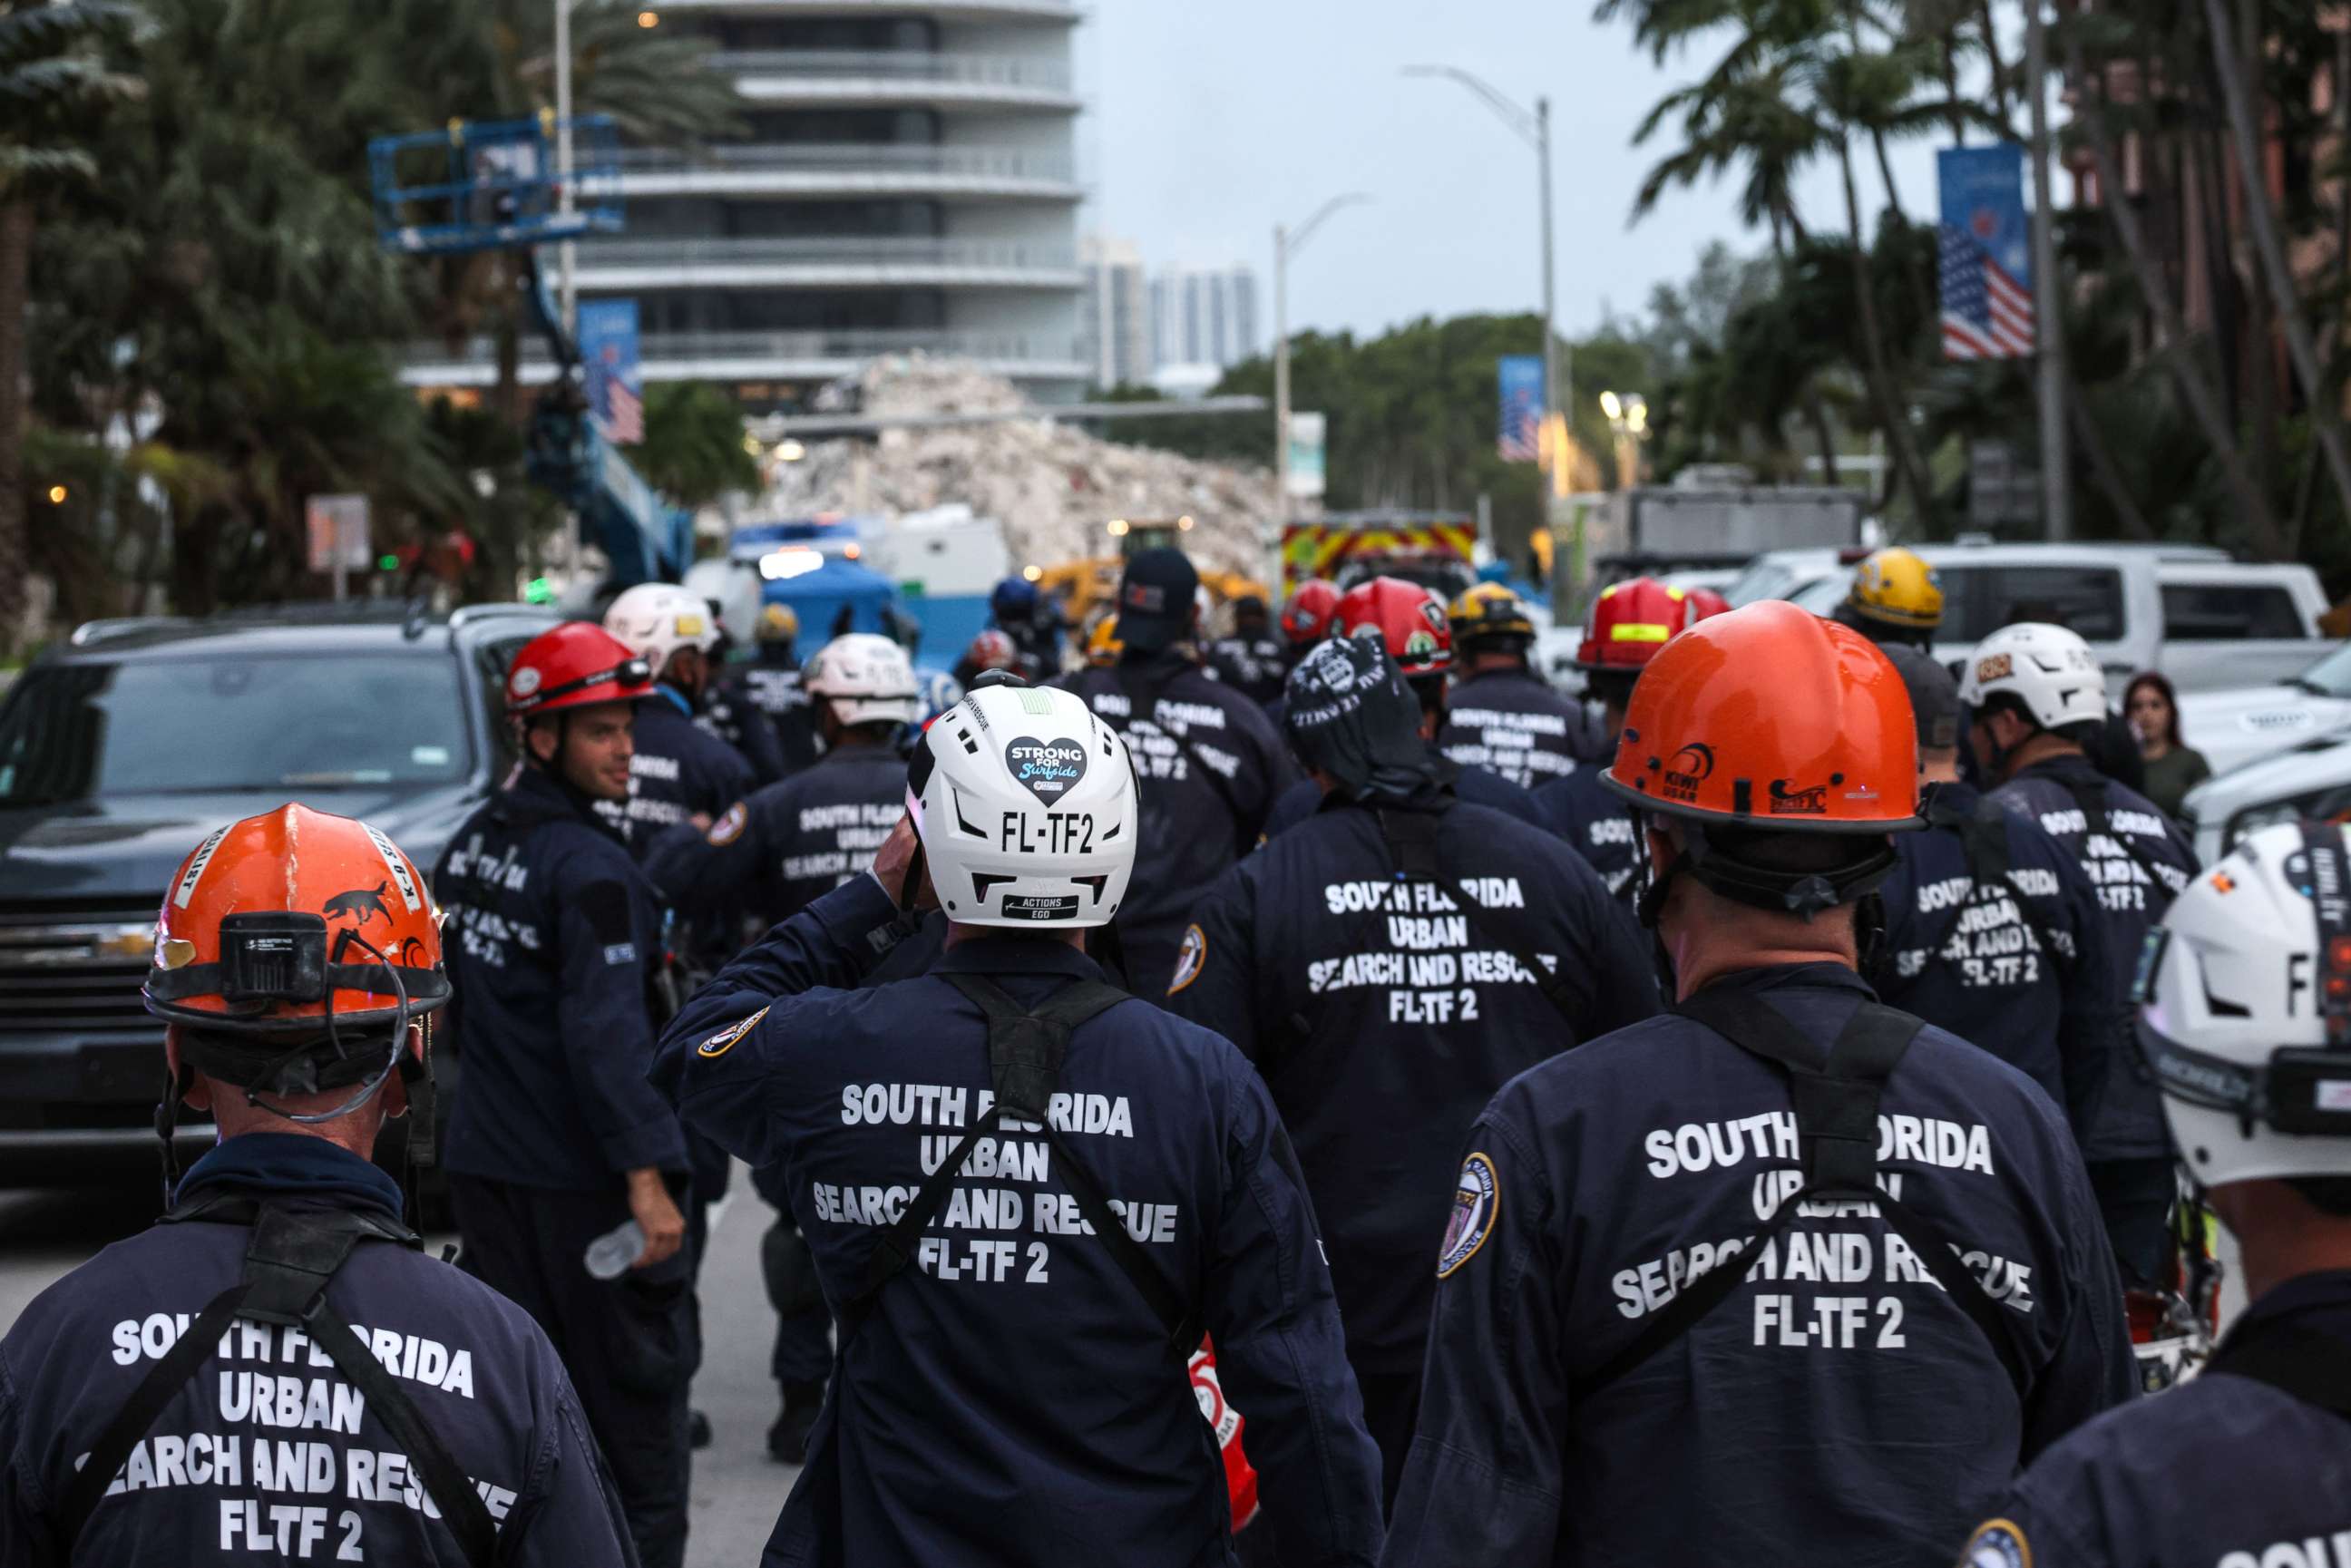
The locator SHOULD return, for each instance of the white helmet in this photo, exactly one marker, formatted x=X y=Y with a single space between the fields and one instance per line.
x=656 y=619
x=1026 y=806
x=2050 y=669
x=2241 y=1015
x=867 y=679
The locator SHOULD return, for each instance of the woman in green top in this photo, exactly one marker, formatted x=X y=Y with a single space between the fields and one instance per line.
x=2172 y=769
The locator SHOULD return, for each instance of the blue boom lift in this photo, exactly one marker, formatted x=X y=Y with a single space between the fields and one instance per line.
x=493 y=185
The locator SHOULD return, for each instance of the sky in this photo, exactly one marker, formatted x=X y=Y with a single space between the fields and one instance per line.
x=1208 y=122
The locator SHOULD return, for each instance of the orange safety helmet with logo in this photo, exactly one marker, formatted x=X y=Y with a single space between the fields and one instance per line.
x=1306 y=617
x=1406 y=616
x=292 y=953
x=1766 y=722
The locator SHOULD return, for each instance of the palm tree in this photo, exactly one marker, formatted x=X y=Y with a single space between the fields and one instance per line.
x=52 y=81
x=693 y=450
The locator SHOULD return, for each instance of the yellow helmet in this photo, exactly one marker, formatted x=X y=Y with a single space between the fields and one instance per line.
x=1103 y=646
x=1490 y=610
x=777 y=623
x=1895 y=587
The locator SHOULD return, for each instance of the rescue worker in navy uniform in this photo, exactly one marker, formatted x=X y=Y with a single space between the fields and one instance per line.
x=1411 y=624
x=770 y=683
x=729 y=715
x=1896 y=599
x=789 y=843
x=680 y=769
x=1501 y=714
x=1992 y=929
x=1253 y=660
x=1627 y=624
x=1210 y=763
x=2248 y=1466
x=556 y=1139
x=1783 y=1276
x=1383 y=1011
x=297 y=961
x=1010 y=1387
x=1031 y=620
x=2036 y=695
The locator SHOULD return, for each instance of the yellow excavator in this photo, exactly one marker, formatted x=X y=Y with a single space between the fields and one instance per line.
x=1089 y=585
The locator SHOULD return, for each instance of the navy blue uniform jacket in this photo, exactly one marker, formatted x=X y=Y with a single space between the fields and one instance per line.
x=1011 y=1398
x=1472 y=786
x=2220 y=1472
x=1384 y=1021
x=679 y=769
x=268 y=1454
x=1596 y=825
x=1193 y=826
x=1837 y=1407
x=786 y=843
x=551 y=938
x=1514 y=723
x=729 y=715
x=2122 y=1117
x=2019 y=968
x=772 y=685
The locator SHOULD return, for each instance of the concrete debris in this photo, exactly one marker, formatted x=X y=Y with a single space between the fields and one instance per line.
x=1053 y=486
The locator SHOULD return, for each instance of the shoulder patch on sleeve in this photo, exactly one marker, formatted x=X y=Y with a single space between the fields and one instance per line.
x=728 y=827
x=1997 y=1543
x=1190 y=959
x=1477 y=1199
x=722 y=1043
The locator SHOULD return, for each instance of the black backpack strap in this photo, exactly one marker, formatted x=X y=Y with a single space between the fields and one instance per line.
x=140 y=1412
x=293 y=1255
x=2315 y=1368
x=1411 y=838
x=1836 y=1096
x=2090 y=795
x=1143 y=702
x=1026 y=1049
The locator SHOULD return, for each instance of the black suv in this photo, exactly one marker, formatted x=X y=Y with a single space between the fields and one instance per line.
x=121 y=750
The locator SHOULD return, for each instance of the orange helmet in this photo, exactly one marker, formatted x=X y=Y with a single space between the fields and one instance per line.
x=296 y=924
x=1630 y=621
x=1306 y=618
x=576 y=665
x=1406 y=616
x=1773 y=721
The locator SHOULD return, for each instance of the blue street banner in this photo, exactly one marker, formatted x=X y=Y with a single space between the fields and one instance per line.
x=1985 y=241
x=615 y=380
x=1520 y=377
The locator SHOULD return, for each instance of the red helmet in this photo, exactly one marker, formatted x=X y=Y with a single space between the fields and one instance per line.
x=1406 y=616
x=574 y=666
x=1630 y=621
x=275 y=924
x=1706 y=601
x=991 y=649
x=1771 y=718
x=1306 y=618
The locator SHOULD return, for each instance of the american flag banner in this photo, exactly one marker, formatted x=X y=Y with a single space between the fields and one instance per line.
x=1520 y=377
x=1985 y=254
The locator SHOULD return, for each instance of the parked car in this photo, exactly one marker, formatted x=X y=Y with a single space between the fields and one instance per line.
x=122 y=749
x=2310 y=777
x=2234 y=727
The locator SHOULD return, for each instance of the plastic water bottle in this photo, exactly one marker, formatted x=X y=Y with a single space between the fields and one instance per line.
x=609 y=1254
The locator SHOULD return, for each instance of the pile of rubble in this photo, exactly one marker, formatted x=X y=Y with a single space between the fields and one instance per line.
x=1053 y=486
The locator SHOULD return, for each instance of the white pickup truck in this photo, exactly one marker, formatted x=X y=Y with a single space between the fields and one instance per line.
x=2207 y=622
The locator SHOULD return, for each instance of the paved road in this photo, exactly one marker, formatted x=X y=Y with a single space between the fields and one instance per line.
x=737 y=1490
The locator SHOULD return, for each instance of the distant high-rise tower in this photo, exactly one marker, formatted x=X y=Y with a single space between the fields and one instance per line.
x=1203 y=319
x=1114 y=313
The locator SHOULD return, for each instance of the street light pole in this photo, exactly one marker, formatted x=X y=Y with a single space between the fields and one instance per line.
x=1559 y=395
x=566 y=252
x=1288 y=242
x=2049 y=326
